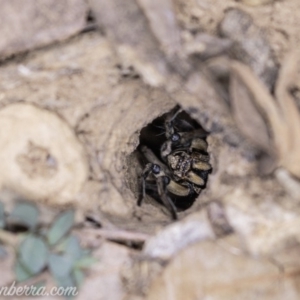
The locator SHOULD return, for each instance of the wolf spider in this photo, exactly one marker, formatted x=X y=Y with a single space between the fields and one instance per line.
x=181 y=171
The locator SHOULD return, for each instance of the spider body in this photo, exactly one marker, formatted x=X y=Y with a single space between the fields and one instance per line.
x=180 y=172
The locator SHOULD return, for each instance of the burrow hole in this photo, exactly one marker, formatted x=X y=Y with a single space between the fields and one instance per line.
x=153 y=136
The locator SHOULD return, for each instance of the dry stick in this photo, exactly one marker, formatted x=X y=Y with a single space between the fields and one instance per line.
x=117 y=234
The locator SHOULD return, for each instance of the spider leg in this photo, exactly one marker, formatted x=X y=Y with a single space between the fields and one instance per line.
x=162 y=182
x=201 y=165
x=151 y=157
x=194 y=139
x=169 y=122
x=155 y=167
x=195 y=178
x=178 y=189
x=166 y=149
x=142 y=183
x=199 y=144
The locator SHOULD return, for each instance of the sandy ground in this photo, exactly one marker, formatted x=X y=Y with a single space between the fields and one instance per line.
x=89 y=96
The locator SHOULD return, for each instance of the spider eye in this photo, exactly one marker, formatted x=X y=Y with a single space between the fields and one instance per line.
x=175 y=137
x=155 y=169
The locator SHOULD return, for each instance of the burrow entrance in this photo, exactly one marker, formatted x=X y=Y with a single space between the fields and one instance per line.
x=185 y=165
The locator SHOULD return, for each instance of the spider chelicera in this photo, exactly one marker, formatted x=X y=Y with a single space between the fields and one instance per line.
x=180 y=171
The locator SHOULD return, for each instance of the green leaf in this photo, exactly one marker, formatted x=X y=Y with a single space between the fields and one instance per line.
x=85 y=262
x=2 y=215
x=21 y=272
x=60 y=227
x=60 y=265
x=86 y=252
x=37 y=288
x=33 y=254
x=60 y=247
x=78 y=276
x=73 y=247
x=70 y=246
x=67 y=282
x=25 y=213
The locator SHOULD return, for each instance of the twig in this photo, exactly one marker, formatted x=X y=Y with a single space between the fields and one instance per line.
x=117 y=234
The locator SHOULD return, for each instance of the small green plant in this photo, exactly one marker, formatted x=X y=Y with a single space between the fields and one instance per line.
x=54 y=249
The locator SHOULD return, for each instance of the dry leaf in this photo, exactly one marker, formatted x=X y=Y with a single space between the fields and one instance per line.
x=247 y=116
x=282 y=115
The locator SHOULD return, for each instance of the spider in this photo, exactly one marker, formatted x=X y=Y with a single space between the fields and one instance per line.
x=181 y=171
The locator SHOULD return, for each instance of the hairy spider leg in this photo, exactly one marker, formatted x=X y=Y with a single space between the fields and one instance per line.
x=194 y=139
x=151 y=157
x=200 y=162
x=178 y=189
x=166 y=149
x=199 y=144
x=173 y=187
x=162 y=183
x=169 y=123
x=142 y=183
x=195 y=178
